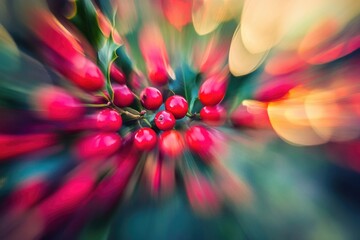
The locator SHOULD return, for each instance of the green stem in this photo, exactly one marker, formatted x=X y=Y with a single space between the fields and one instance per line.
x=96 y=105
x=147 y=122
x=128 y=114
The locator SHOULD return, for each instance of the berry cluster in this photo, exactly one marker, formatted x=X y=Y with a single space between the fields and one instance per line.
x=106 y=111
x=124 y=101
x=171 y=141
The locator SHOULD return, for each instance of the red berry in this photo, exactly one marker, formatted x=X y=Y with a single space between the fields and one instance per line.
x=151 y=98
x=212 y=91
x=273 y=90
x=251 y=116
x=79 y=70
x=97 y=145
x=64 y=53
x=54 y=35
x=213 y=115
x=164 y=120
x=145 y=139
x=54 y=103
x=108 y=120
x=177 y=105
x=158 y=76
x=123 y=96
x=116 y=74
x=92 y=78
x=171 y=143
x=199 y=140
x=84 y=73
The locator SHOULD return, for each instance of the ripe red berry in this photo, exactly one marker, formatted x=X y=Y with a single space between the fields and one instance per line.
x=123 y=96
x=77 y=69
x=54 y=35
x=64 y=53
x=55 y=104
x=213 y=115
x=171 y=143
x=251 y=116
x=116 y=74
x=273 y=90
x=199 y=140
x=90 y=78
x=164 y=120
x=177 y=105
x=158 y=76
x=151 y=98
x=97 y=146
x=145 y=139
x=108 y=120
x=83 y=73
x=212 y=91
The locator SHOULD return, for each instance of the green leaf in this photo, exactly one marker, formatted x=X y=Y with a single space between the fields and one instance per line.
x=106 y=55
x=185 y=83
x=86 y=21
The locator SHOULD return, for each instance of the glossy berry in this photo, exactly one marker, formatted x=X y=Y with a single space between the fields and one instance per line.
x=177 y=105
x=158 y=76
x=77 y=69
x=164 y=120
x=97 y=146
x=83 y=73
x=116 y=74
x=213 y=115
x=212 y=91
x=56 y=104
x=145 y=139
x=123 y=96
x=108 y=120
x=151 y=98
x=199 y=140
x=171 y=143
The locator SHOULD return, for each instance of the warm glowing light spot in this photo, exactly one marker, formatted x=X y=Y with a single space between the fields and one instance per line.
x=205 y=15
x=241 y=61
x=262 y=23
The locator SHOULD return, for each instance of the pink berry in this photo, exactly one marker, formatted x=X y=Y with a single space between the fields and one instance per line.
x=213 y=115
x=177 y=105
x=108 y=120
x=158 y=76
x=171 y=143
x=97 y=146
x=145 y=139
x=151 y=98
x=212 y=91
x=199 y=140
x=123 y=96
x=245 y=116
x=116 y=74
x=164 y=120
x=56 y=104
